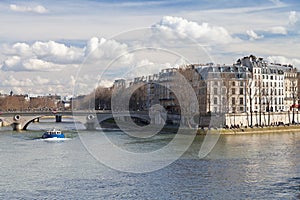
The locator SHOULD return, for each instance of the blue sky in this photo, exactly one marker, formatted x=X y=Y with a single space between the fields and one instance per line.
x=50 y=45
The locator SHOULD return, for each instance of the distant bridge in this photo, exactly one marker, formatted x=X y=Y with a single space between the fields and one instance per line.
x=21 y=120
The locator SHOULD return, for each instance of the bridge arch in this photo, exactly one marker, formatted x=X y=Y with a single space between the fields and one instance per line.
x=102 y=118
x=26 y=124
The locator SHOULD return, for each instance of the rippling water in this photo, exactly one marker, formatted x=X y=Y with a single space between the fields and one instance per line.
x=262 y=166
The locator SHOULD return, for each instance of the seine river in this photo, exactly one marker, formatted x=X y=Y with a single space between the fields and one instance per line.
x=258 y=166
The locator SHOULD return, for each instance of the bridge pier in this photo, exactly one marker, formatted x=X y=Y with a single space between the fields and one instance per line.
x=16 y=126
x=58 y=118
x=91 y=122
x=90 y=126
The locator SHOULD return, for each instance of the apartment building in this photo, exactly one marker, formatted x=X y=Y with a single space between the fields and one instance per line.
x=274 y=86
x=251 y=86
x=226 y=88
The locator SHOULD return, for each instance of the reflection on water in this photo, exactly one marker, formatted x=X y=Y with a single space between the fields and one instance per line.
x=258 y=166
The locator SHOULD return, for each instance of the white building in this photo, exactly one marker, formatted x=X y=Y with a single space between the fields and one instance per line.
x=252 y=89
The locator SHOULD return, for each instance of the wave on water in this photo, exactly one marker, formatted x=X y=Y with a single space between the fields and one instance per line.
x=54 y=139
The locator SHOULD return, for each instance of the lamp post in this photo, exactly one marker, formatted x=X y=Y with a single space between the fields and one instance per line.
x=251 y=98
x=293 y=106
x=256 y=118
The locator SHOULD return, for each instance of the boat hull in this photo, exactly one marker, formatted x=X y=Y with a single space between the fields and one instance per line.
x=45 y=136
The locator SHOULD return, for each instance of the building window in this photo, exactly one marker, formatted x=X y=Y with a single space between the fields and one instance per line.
x=223 y=91
x=232 y=90
x=202 y=91
x=233 y=83
x=241 y=83
x=233 y=109
x=241 y=109
x=233 y=100
x=223 y=101
x=215 y=109
x=241 y=101
x=215 y=91
x=215 y=100
x=241 y=91
x=215 y=83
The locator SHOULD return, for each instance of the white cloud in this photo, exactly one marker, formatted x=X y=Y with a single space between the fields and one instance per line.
x=35 y=9
x=20 y=49
x=278 y=30
x=253 y=36
x=72 y=81
x=83 y=83
x=13 y=82
x=107 y=49
x=140 y=4
x=34 y=64
x=143 y=67
x=284 y=60
x=293 y=18
x=11 y=62
x=40 y=56
x=15 y=63
x=182 y=28
x=41 y=81
x=30 y=59
x=277 y=3
x=180 y=62
x=106 y=83
x=60 y=53
x=35 y=85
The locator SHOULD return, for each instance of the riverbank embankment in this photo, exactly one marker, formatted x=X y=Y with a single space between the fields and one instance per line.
x=253 y=130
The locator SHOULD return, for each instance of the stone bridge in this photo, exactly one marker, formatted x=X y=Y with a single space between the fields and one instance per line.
x=91 y=119
x=18 y=121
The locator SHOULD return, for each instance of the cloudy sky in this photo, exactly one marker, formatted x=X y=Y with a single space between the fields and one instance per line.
x=70 y=47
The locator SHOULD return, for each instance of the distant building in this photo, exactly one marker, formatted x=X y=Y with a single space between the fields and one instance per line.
x=119 y=83
x=251 y=86
x=268 y=84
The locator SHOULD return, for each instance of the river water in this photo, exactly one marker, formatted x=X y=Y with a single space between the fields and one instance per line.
x=254 y=166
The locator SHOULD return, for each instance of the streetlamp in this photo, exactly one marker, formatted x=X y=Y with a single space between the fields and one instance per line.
x=256 y=118
x=294 y=104
x=251 y=98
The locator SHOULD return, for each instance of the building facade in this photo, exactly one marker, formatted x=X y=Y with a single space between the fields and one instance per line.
x=251 y=87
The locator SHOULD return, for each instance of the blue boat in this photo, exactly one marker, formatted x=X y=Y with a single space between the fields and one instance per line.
x=53 y=133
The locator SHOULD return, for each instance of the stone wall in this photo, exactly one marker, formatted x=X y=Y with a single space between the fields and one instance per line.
x=263 y=118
